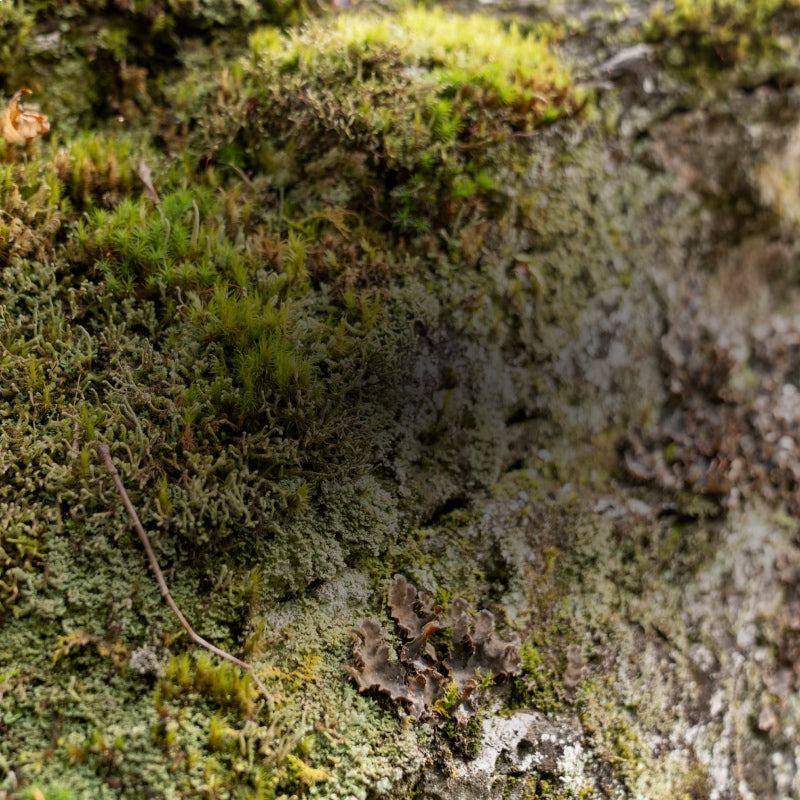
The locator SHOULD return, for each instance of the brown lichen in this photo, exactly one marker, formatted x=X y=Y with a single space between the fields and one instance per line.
x=420 y=677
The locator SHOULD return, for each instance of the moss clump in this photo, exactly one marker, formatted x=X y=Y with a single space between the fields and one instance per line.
x=96 y=169
x=235 y=331
x=15 y=26
x=398 y=117
x=102 y=61
x=540 y=686
x=225 y=684
x=718 y=34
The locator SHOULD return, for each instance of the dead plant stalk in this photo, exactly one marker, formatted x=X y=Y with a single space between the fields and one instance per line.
x=105 y=455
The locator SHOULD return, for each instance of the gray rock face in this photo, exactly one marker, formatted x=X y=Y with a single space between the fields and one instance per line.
x=517 y=754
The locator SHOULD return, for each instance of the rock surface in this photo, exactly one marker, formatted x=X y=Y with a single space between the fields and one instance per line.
x=580 y=413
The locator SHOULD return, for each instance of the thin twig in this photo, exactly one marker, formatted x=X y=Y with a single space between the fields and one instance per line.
x=105 y=455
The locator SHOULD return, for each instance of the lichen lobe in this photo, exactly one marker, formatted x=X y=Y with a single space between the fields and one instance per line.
x=421 y=675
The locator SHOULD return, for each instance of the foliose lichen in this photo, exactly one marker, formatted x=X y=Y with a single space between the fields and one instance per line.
x=426 y=680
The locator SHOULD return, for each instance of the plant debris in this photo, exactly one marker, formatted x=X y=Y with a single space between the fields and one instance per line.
x=432 y=677
x=21 y=126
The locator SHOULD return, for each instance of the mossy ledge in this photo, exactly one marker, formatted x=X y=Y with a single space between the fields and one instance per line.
x=339 y=292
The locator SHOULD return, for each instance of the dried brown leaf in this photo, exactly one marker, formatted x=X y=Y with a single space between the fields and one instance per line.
x=146 y=176
x=21 y=126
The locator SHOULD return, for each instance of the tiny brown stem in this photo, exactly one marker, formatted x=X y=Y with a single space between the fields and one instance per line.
x=105 y=455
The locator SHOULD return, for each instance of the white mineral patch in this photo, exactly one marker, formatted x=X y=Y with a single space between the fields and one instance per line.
x=499 y=735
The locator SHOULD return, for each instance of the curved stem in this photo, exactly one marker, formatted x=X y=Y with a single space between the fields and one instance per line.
x=105 y=455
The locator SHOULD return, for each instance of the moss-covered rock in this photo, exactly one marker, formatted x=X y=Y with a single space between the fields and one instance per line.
x=381 y=293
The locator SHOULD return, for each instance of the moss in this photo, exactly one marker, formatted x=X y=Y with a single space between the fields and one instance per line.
x=197 y=338
x=15 y=24
x=540 y=685
x=84 y=357
x=96 y=169
x=420 y=123
x=297 y=342
x=464 y=741
x=719 y=34
x=198 y=725
x=148 y=364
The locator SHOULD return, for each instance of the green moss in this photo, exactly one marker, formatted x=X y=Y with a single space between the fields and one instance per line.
x=612 y=731
x=233 y=463
x=719 y=33
x=464 y=741
x=96 y=169
x=417 y=123
x=116 y=352
x=15 y=27
x=330 y=200
x=447 y=703
x=226 y=684
x=116 y=730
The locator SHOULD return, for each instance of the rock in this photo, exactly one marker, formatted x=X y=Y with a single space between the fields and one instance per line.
x=517 y=755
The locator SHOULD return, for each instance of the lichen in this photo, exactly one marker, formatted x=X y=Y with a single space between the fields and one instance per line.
x=472 y=655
